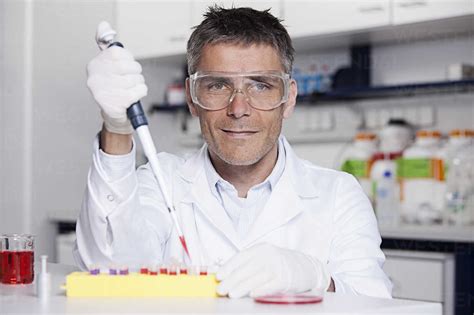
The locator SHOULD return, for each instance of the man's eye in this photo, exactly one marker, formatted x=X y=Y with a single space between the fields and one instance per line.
x=216 y=86
x=260 y=86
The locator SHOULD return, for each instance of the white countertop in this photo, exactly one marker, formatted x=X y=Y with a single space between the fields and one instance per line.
x=446 y=233
x=15 y=299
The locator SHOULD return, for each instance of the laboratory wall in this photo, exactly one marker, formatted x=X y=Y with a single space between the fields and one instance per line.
x=14 y=105
x=48 y=119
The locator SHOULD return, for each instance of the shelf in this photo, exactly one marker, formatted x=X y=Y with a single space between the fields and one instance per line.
x=352 y=94
x=391 y=91
x=166 y=108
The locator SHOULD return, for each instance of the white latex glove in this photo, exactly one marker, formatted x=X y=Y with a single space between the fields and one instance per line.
x=115 y=80
x=265 y=269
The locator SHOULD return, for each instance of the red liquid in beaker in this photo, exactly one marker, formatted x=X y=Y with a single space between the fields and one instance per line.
x=16 y=267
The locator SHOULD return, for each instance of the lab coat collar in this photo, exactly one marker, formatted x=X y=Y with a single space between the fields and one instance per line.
x=284 y=203
x=193 y=168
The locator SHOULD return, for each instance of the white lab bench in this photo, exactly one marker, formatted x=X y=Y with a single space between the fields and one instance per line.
x=21 y=299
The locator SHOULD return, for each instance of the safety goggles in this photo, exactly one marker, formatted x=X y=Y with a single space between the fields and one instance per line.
x=215 y=90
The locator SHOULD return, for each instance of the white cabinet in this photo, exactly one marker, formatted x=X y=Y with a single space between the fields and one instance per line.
x=410 y=11
x=305 y=17
x=200 y=7
x=424 y=276
x=151 y=28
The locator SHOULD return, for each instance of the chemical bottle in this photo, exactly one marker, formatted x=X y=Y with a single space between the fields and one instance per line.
x=383 y=163
x=418 y=176
x=387 y=200
x=459 y=195
x=396 y=136
x=357 y=159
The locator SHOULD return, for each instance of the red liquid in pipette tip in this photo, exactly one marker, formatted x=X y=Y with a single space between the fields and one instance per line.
x=183 y=242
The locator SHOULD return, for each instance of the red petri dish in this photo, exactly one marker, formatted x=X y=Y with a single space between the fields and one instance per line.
x=289 y=299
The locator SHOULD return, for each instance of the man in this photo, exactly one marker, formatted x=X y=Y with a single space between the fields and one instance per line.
x=267 y=220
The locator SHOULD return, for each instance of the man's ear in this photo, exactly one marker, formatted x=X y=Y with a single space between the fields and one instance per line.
x=189 y=101
x=289 y=106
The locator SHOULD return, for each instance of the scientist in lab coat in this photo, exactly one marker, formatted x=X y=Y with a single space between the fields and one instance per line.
x=266 y=220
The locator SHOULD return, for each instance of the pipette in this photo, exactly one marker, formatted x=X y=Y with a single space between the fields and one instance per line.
x=105 y=38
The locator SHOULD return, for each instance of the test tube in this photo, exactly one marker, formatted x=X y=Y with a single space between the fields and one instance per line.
x=112 y=269
x=153 y=270
x=163 y=269
x=203 y=270
x=123 y=271
x=94 y=270
x=172 y=270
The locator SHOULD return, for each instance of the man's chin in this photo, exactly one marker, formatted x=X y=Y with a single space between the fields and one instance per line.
x=238 y=160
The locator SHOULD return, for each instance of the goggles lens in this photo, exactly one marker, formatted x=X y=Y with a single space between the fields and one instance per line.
x=261 y=90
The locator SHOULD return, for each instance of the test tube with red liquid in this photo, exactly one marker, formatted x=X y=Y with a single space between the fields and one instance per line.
x=16 y=258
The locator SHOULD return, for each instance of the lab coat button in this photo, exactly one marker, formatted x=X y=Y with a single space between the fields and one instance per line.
x=110 y=198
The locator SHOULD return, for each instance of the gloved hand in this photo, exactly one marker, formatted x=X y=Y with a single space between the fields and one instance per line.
x=265 y=269
x=115 y=80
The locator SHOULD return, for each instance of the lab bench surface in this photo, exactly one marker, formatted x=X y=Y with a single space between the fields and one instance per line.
x=446 y=233
x=21 y=299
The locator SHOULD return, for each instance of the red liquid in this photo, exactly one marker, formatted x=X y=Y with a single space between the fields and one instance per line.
x=16 y=267
x=144 y=271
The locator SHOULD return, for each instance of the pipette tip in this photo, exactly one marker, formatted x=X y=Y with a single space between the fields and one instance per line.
x=183 y=242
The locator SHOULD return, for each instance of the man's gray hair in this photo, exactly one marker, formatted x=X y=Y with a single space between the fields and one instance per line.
x=244 y=26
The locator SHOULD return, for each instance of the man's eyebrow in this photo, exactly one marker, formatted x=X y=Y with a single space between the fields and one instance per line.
x=263 y=78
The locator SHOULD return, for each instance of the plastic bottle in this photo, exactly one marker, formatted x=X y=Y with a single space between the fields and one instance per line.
x=358 y=158
x=459 y=195
x=387 y=200
x=418 y=179
x=394 y=138
x=384 y=162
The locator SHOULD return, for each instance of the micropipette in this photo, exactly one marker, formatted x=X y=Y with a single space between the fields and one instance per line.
x=105 y=38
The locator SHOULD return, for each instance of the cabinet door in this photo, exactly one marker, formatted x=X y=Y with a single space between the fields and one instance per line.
x=200 y=6
x=410 y=11
x=420 y=275
x=151 y=28
x=305 y=17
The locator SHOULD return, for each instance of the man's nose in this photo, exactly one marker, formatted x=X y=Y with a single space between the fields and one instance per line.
x=238 y=105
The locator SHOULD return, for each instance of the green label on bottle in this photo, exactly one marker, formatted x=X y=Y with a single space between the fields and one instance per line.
x=414 y=168
x=358 y=168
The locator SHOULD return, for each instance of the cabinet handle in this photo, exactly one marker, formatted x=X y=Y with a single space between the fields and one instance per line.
x=370 y=9
x=412 y=4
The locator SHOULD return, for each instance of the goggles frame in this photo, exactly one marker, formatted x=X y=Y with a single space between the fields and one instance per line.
x=201 y=74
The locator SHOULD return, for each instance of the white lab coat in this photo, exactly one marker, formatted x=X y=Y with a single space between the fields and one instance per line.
x=318 y=211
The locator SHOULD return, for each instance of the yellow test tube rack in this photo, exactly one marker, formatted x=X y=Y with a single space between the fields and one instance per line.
x=83 y=284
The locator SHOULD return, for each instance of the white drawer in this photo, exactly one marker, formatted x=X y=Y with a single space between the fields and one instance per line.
x=421 y=275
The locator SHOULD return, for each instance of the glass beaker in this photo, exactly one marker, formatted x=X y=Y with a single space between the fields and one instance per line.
x=17 y=258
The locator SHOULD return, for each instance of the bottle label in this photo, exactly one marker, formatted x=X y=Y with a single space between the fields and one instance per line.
x=358 y=168
x=420 y=168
